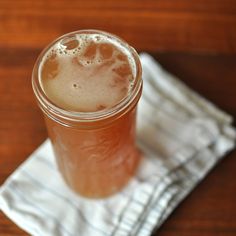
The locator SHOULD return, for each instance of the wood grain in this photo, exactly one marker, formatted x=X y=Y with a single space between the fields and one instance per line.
x=188 y=38
x=163 y=25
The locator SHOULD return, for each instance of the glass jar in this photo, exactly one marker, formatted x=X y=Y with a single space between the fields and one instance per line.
x=95 y=151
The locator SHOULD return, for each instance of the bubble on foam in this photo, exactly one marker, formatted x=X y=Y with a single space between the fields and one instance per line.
x=98 y=38
x=101 y=107
x=70 y=43
x=50 y=67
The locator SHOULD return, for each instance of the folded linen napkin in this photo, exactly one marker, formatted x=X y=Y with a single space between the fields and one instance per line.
x=182 y=137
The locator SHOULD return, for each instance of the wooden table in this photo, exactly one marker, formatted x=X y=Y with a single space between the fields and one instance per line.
x=195 y=40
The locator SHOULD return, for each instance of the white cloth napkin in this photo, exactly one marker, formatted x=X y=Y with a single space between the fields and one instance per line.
x=182 y=136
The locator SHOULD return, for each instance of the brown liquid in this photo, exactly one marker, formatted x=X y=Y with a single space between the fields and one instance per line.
x=99 y=162
x=91 y=76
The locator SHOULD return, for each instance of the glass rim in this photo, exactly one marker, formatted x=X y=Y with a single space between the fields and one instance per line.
x=57 y=112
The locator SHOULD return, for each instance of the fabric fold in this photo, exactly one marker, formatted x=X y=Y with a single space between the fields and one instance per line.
x=182 y=136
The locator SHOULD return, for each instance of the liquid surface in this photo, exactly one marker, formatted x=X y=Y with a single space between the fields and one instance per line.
x=87 y=73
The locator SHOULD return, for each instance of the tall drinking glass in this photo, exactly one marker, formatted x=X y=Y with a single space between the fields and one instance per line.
x=88 y=83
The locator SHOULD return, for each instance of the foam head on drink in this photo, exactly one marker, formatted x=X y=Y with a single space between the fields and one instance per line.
x=90 y=72
x=87 y=73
